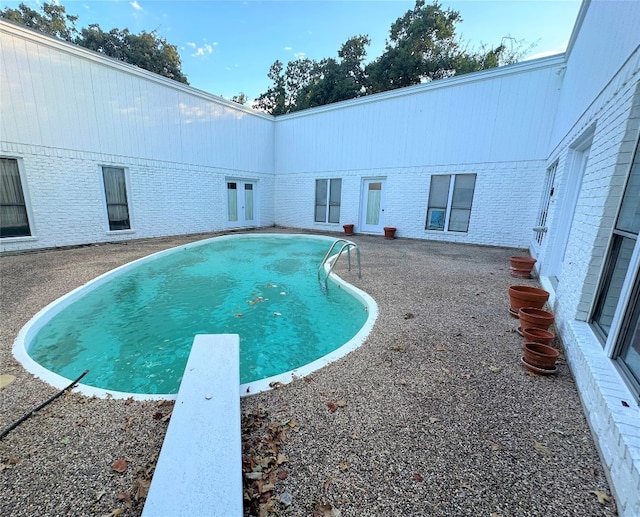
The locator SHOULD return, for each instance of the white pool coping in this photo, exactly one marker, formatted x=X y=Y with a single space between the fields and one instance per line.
x=32 y=327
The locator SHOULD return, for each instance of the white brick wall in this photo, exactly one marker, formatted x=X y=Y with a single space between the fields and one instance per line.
x=66 y=197
x=499 y=217
x=616 y=427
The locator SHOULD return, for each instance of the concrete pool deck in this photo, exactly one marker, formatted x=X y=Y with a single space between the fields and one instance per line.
x=437 y=416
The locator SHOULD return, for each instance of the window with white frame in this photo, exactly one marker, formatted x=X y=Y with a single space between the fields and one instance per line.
x=328 y=194
x=115 y=193
x=546 y=202
x=14 y=220
x=450 y=200
x=620 y=268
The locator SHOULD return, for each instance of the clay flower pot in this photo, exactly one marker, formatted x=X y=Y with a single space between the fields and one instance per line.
x=532 y=317
x=537 y=335
x=348 y=229
x=521 y=266
x=540 y=356
x=525 y=296
x=389 y=232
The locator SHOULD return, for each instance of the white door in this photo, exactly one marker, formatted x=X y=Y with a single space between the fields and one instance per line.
x=241 y=206
x=372 y=206
x=566 y=212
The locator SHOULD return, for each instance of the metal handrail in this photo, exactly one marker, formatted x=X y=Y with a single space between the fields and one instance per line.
x=345 y=245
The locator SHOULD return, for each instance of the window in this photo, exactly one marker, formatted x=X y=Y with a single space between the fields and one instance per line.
x=14 y=221
x=619 y=266
x=546 y=201
x=450 y=199
x=328 y=193
x=115 y=192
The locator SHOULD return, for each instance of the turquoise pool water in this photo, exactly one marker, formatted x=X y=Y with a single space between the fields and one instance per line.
x=135 y=331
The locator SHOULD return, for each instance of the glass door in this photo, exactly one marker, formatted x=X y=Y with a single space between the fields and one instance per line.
x=241 y=203
x=372 y=206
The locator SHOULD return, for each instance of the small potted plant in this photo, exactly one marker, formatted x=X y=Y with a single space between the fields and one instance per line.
x=348 y=229
x=389 y=232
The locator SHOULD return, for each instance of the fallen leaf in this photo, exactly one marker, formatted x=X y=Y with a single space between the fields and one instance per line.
x=128 y=401
x=120 y=465
x=126 y=497
x=239 y=315
x=281 y=459
x=332 y=407
x=341 y=403
x=495 y=446
x=467 y=486
x=399 y=348
x=433 y=420
x=6 y=379
x=327 y=482
x=344 y=466
x=541 y=447
x=495 y=369
x=326 y=510
x=603 y=498
x=115 y=513
x=418 y=477
x=282 y=474
x=440 y=348
x=100 y=495
x=65 y=440
x=276 y=384
x=141 y=486
x=253 y=475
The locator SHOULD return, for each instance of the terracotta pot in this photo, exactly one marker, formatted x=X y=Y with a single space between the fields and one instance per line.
x=540 y=356
x=389 y=232
x=525 y=296
x=532 y=317
x=348 y=229
x=521 y=266
x=537 y=335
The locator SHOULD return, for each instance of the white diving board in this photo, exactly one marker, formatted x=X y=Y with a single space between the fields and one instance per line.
x=199 y=471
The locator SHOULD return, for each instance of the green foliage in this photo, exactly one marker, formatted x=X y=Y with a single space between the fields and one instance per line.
x=146 y=50
x=53 y=20
x=422 y=47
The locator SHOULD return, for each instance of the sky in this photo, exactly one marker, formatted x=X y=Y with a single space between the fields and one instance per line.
x=228 y=46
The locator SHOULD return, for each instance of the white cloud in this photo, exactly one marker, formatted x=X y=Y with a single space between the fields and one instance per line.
x=287 y=48
x=135 y=5
x=191 y=44
x=204 y=50
x=299 y=55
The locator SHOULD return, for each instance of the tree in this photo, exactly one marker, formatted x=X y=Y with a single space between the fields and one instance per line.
x=53 y=20
x=146 y=50
x=422 y=47
x=241 y=98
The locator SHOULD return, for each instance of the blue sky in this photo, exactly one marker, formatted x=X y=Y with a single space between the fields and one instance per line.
x=228 y=46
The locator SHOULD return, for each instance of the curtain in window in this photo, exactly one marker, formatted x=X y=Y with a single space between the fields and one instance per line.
x=232 y=201
x=248 y=202
x=321 y=201
x=374 y=198
x=463 y=188
x=115 y=190
x=438 y=199
x=13 y=210
x=335 y=193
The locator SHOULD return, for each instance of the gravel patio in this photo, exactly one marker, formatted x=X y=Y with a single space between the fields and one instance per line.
x=432 y=415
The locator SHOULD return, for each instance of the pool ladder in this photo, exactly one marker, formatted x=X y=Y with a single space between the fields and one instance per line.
x=346 y=245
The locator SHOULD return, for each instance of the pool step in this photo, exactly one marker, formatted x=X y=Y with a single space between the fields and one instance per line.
x=199 y=471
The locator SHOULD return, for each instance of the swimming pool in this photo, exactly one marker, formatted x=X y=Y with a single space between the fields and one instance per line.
x=133 y=327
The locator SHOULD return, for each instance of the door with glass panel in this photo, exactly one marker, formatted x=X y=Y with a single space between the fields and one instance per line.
x=241 y=201
x=372 y=206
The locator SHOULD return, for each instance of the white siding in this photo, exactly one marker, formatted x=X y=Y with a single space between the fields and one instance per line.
x=479 y=118
x=59 y=96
